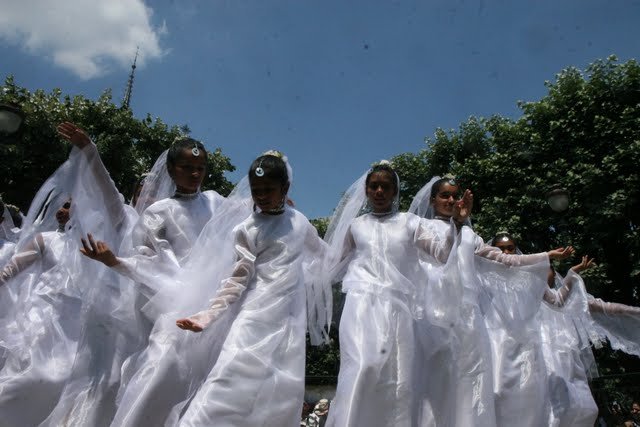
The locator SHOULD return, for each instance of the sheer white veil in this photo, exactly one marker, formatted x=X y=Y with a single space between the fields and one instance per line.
x=353 y=204
x=421 y=204
x=157 y=185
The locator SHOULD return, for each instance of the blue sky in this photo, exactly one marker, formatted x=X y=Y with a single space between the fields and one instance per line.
x=336 y=85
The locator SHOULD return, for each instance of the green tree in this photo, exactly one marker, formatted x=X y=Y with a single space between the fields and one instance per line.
x=128 y=146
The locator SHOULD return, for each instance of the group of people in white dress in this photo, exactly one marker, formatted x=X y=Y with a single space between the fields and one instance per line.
x=99 y=300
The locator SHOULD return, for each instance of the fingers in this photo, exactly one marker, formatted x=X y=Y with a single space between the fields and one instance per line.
x=91 y=248
x=188 y=325
x=86 y=249
x=73 y=134
x=92 y=242
x=66 y=130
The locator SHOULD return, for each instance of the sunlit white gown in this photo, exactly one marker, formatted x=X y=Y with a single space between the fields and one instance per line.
x=260 y=314
x=384 y=283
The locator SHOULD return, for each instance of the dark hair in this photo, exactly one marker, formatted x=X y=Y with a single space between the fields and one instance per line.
x=273 y=167
x=1 y=207
x=502 y=234
x=435 y=188
x=175 y=151
x=383 y=167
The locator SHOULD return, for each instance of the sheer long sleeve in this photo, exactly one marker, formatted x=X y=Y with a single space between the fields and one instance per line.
x=318 y=287
x=233 y=287
x=435 y=244
x=596 y=305
x=153 y=264
x=22 y=260
x=338 y=258
x=558 y=297
x=494 y=254
x=113 y=200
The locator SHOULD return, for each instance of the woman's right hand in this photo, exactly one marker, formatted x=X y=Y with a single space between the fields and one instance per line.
x=584 y=265
x=73 y=134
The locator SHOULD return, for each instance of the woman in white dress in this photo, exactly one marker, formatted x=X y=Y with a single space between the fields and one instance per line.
x=387 y=256
x=495 y=308
x=47 y=279
x=159 y=246
x=261 y=312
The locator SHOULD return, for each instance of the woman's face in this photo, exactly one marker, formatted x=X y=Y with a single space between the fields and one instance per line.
x=188 y=171
x=445 y=199
x=64 y=213
x=381 y=191
x=506 y=245
x=268 y=194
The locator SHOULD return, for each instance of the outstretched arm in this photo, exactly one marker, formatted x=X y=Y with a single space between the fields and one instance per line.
x=231 y=290
x=113 y=201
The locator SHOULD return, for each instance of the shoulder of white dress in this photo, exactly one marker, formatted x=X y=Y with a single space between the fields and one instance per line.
x=212 y=195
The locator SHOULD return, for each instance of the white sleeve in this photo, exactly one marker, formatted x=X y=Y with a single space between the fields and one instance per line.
x=494 y=254
x=153 y=262
x=432 y=242
x=233 y=287
x=113 y=200
x=22 y=260
x=558 y=297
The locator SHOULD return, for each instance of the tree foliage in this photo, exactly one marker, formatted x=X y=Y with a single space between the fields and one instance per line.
x=128 y=146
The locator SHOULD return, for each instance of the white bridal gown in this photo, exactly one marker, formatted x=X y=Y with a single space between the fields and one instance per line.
x=385 y=279
x=260 y=315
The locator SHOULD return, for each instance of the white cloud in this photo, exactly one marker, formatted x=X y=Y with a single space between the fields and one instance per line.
x=87 y=37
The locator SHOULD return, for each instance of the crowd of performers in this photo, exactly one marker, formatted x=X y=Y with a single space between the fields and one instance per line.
x=188 y=308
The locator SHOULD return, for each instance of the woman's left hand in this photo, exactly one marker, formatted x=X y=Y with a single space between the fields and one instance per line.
x=188 y=325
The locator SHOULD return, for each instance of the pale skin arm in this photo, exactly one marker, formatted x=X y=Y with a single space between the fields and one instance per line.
x=99 y=251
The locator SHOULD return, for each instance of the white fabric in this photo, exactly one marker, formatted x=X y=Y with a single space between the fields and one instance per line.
x=264 y=349
x=384 y=282
x=564 y=348
x=173 y=239
x=163 y=238
x=157 y=185
x=50 y=291
x=618 y=323
x=491 y=380
x=106 y=311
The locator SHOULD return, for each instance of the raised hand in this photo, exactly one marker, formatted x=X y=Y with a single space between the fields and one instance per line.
x=73 y=134
x=561 y=253
x=585 y=264
x=98 y=251
x=188 y=325
x=462 y=207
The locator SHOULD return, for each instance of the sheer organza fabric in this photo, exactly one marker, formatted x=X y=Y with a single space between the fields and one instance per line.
x=52 y=290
